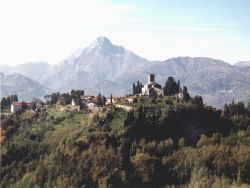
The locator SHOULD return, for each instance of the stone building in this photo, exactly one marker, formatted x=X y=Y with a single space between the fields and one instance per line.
x=152 y=88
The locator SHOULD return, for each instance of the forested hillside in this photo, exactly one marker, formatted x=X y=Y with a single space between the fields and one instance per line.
x=163 y=142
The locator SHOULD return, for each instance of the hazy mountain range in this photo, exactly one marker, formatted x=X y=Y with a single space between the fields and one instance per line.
x=25 y=87
x=108 y=68
x=243 y=64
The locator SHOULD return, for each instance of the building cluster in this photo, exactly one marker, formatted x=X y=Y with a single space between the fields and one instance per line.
x=16 y=107
x=36 y=105
x=152 y=88
x=84 y=102
x=81 y=101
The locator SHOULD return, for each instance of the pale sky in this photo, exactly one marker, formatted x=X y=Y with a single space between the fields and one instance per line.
x=50 y=30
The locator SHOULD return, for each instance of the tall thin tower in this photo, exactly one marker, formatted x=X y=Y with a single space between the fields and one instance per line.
x=151 y=78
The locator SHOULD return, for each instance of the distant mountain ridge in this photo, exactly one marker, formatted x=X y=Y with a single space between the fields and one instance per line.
x=33 y=70
x=108 y=68
x=24 y=87
x=243 y=64
x=101 y=62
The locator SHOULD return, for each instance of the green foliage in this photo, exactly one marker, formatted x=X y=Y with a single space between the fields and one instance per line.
x=171 y=87
x=137 y=88
x=198 y=100
x=100 y=100
x=6 y=101
x=54 y=98
x=66 y=98
x=185 y=93
x=164 y=143
x=236 y=109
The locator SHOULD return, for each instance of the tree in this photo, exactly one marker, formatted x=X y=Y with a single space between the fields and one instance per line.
x=99 y=100
x=104 y=99
x=15 y=98
x=235 y=109
x=240 y=108
x=186 y=95
x=198 y=100
x=54 y=97
x=7 y=101
x=134 y=89
x=248 y=108
x=137 y=88
x=111 y=101
x=232 y=108
x=130 y=119
x=75 y=93
x=226 y=110
x=3 y=102
x=33 y=106
x=171 y=87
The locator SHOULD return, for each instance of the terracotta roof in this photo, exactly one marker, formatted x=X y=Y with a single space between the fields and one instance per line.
x=21 y=103
x=17 y=104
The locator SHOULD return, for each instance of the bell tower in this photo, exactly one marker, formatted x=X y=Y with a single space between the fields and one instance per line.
x=151 y=78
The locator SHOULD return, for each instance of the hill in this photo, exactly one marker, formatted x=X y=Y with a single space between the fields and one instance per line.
x=218 y=82
x=33 y=70
x=162 y=143
x=24 y=87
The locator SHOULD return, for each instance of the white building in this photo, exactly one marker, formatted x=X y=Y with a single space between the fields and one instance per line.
x=91 y=106
x=16 y=107
x=73 y=102
x=108 y=101
x=130 y=100
x=152 y=88
x=19 y=106
x=87 y=99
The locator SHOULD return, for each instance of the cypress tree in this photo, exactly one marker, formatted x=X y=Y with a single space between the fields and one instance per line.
x=99 y=100
x=134 y=90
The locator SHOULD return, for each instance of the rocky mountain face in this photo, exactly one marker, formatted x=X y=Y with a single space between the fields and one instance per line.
x=108 y=68
x=24 y=87
x=95 y=66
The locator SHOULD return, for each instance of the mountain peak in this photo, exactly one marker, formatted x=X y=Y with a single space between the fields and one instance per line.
x=101 y=41
x=102 y=45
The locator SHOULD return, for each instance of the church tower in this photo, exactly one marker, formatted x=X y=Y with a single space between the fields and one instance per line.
x=151 y=78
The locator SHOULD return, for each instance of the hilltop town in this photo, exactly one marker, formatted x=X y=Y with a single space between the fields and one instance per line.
x=78 y=100
x=157 y=136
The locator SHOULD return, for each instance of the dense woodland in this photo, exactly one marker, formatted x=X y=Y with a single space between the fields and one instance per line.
x=6 y=101
x=162 y=143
